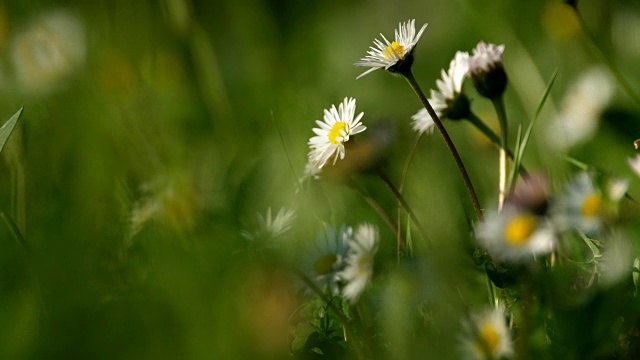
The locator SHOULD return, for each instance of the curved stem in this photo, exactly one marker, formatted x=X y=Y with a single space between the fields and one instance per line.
x=405 y=205
x=447 y=139
x=498 y=104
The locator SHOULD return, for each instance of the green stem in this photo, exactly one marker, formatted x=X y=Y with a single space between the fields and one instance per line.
x=498 y=104
x=405 y=205
x=447 y=139
x=491 y=135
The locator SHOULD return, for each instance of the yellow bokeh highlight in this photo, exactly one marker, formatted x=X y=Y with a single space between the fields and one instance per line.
x=559 y=20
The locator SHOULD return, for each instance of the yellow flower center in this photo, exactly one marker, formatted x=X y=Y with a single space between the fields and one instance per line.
x=591 y=206
x=324 y=264
x=487 y=341
x=519 y=229
x=393 y=51
x=334 y=133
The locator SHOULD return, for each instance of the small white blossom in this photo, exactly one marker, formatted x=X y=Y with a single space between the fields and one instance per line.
x=578 y=119
x=338 y=125
x=515 y=235
x=386 y=54
x=634 y=164
x=271 y=228
x=448 y=90
x=488 y=336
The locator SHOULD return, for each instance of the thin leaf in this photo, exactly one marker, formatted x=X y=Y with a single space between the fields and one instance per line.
x=527 y=134
x=7 y=128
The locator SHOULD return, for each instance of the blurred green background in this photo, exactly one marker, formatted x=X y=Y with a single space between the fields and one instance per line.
x=154 y=131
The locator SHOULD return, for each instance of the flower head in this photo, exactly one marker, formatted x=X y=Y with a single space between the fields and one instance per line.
x=334 y=131
x=488 y=336
x=49 y=50
x=579 y=116
x=584 y=206
x=448 y=100
x=532 y=193
x=325 y=257
x=395 y=56
x=486 y=70
x=359 y=263
x=514 y=235
x=271 y=228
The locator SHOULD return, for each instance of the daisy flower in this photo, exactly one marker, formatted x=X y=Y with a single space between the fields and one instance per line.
x=581 y=109
x=390 y=55
x=583 y=206
x=334 y=131
x=514 y=235
x=359 y=263
x=49 y=50
x=486 y=70
x=325 y=258
x=271 y=228
x=488 y=336
x=447 y=100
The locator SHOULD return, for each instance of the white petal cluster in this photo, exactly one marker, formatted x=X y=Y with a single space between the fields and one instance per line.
x=385 y=54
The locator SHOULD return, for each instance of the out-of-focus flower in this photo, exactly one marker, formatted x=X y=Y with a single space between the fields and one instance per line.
x=583 y=206
x=581 y=108
x=515 y=235
x=634 y=164
x=486 y=70
x=448 y=100
x=394 y=56
x=270 y=228
x=334 y=131
x=487 y=336
x=47 y=51
x=171 y=203
x=617 y=260
x=325 y=258
x=359 y=263
x=532 y=193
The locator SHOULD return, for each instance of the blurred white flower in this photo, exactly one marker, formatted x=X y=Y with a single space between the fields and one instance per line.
x=515 y=235
x=334 y=131
x=617 y=260
x=581 y=108
x=359 y=263
x=584 y=206
x=387 y=54
x=443 y=100
x=48 y=50
x=325 y=258
x=580 y=207
x=487 y=336
x=634 y=164
x=270 y=228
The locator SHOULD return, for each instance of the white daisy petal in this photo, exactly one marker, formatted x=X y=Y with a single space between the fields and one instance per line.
x=388 y=53
x=448 y=90
x=338 y=125
x=359 y=263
